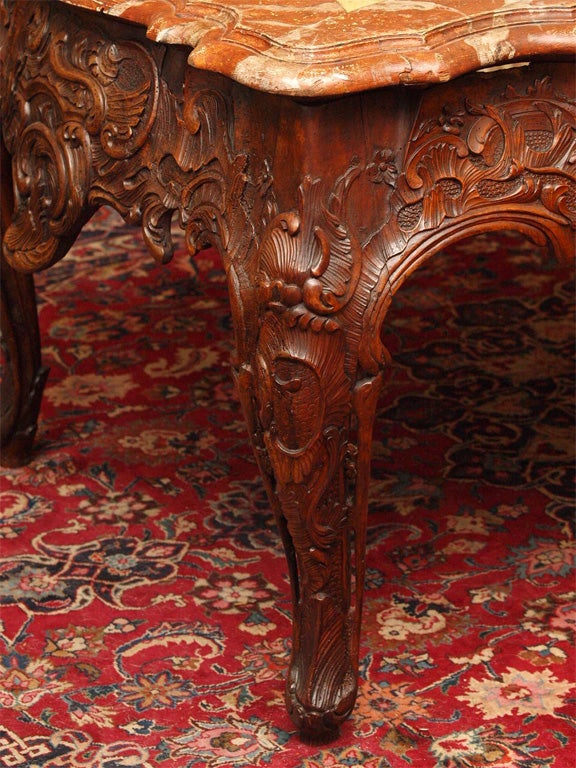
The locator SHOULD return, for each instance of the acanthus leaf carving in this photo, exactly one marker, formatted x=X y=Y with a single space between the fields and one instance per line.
x=474 y=162
x=92 y=122
x=502 y=152
x=310 y=261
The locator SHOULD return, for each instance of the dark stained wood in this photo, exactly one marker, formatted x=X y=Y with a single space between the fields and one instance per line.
x=23 y=376
x=320 y=209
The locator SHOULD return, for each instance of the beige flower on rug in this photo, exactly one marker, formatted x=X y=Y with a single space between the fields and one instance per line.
x=398 y=623
x=519 y=691
x=24 y=681
x=89 y=388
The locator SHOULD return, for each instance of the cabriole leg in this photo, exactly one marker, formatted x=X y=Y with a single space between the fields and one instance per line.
x=311 y=428
x=23 y=376
x=298 y=299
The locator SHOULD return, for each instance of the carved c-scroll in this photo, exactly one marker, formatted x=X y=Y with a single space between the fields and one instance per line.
x=77 y=108
x=517 y=150
x=309 y=261
x=90 y=121
x=507 y=162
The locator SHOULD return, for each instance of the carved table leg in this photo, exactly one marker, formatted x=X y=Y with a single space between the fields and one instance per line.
x=311 y=428
x=310 y=298
x=297 y=298
x=23 y=376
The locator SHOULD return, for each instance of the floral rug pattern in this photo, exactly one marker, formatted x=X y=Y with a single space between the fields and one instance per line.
x=145 y=613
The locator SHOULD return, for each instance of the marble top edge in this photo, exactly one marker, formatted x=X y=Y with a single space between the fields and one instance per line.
x=318 y=49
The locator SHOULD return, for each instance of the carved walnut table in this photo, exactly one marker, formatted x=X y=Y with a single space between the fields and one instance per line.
x=326 y=149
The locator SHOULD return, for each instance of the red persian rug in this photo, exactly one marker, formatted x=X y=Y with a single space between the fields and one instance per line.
x=145 y=605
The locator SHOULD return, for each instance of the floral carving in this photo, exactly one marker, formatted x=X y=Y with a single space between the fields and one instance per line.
x=81 y=109
x=383 y=168
x=484 y=164
x=518 y=149
x=310 y=261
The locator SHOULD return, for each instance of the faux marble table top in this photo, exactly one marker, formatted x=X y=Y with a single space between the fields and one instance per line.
x=308 y=48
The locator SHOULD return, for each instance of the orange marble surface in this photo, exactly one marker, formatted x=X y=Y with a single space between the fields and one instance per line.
x=309 y=49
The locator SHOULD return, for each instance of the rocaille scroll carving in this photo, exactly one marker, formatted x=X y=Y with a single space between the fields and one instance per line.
x=472 y=161
x=519 y=149
x=309 y=267
x=309 y=261
x=77 y=108
x=508 y=160
x=92 y=122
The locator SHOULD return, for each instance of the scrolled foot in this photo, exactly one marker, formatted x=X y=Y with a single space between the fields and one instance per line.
x=21 y=420
x=320 y=724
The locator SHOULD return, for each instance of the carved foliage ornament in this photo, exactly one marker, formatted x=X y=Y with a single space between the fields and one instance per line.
x=310 y=261
x=91 y=122
x=516 y=151
x=520 y=149
x=502 y=161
